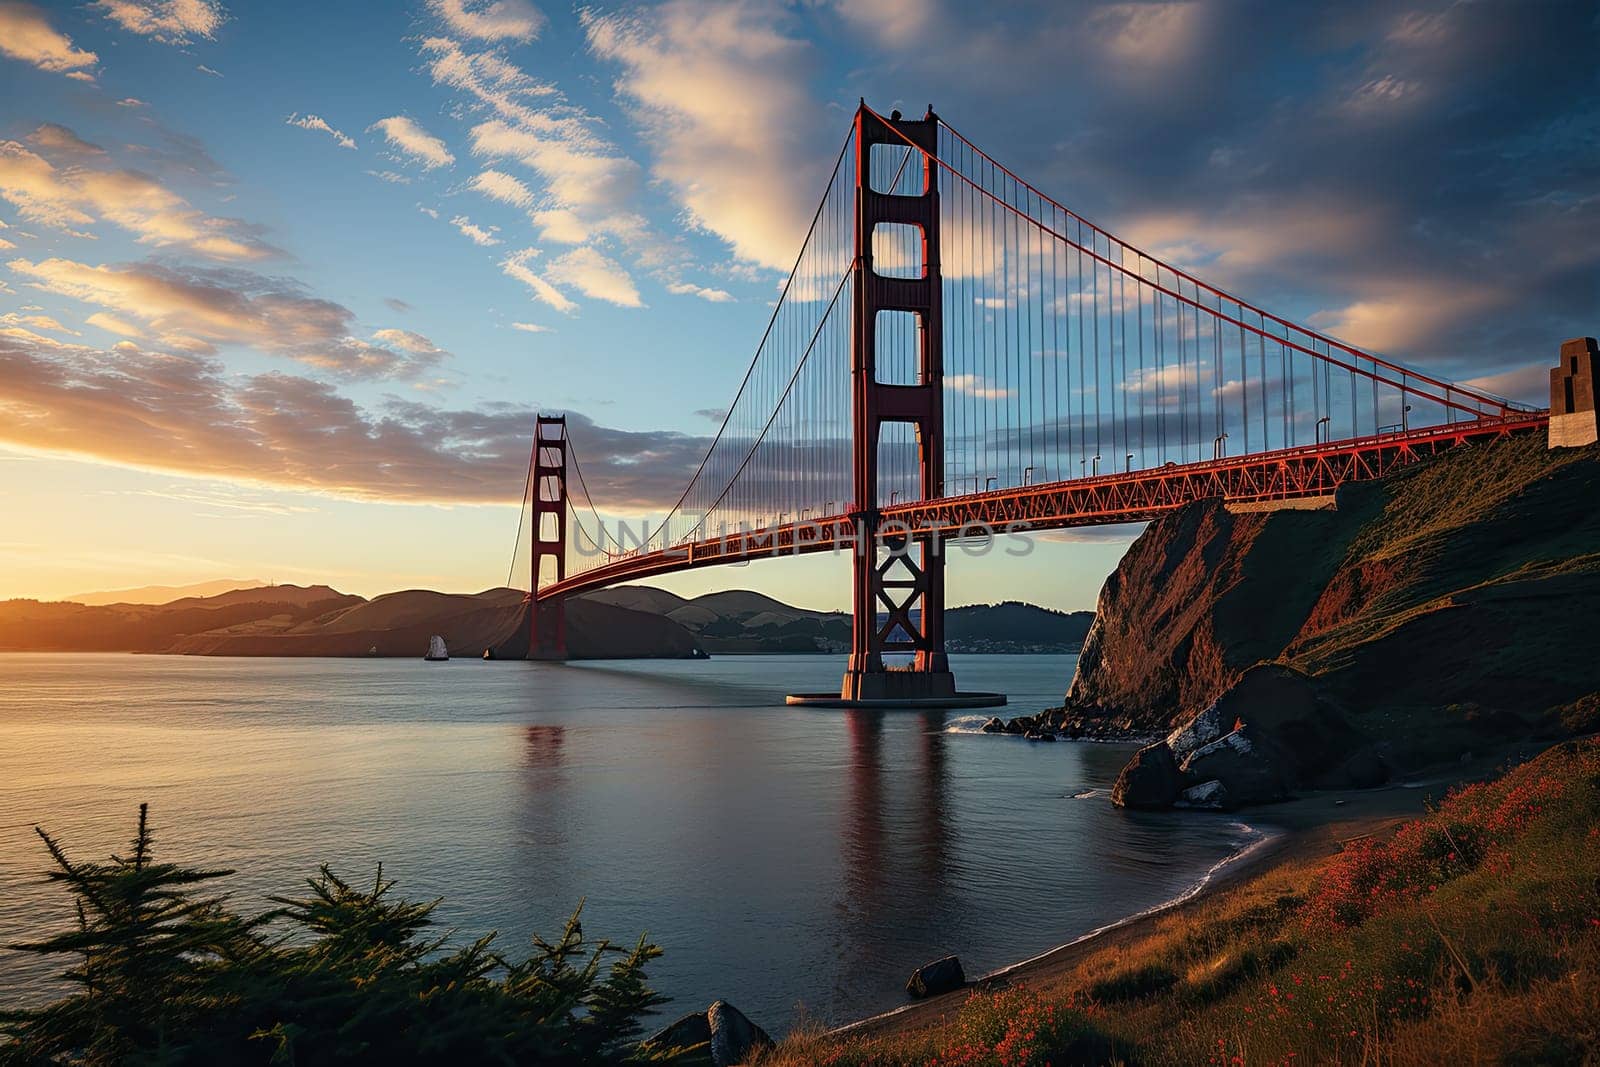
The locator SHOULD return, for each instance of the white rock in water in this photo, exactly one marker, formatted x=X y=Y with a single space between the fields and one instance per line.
x=436 y=649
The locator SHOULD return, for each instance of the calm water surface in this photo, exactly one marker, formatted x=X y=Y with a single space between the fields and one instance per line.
x=781 y=856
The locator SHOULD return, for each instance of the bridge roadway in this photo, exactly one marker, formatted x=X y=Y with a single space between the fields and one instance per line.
x=1132 y=496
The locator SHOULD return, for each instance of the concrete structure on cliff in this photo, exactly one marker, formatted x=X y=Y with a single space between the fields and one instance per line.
x=1574 y=422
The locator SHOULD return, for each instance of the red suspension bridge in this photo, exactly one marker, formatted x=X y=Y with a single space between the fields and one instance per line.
x=956 y=354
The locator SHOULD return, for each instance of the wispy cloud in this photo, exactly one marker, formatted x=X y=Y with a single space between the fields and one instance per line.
x=414 y=142
x=583 y=269
x=476 y=234
x=490 y=20
x=70 y=184
x=518 y=266
x=596 y=275
x=199 y=312
x=175 y=22
x=184 y=415
x=26 y=35
x=723 y=94
x=316 y=122
x=715 y=296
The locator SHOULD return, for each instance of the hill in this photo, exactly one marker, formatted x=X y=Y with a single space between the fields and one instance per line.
x=741 y=621
x=1439 y=610
x=1013 y=626
x=164 y=594
x=286 y=620
x=35 y=626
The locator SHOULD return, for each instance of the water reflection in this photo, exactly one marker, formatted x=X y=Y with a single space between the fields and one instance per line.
x=896 y=841
x=545 y=788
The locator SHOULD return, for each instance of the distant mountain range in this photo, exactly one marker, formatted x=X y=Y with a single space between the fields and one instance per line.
x=164 y=594
x=625 y=622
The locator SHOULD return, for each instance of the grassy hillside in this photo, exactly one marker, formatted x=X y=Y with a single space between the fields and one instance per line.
x=1469 y=936
x=1461 y=590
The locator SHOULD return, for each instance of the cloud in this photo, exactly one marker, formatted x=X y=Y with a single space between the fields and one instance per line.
x=588 y=188
x=131 y=101
x=587 y=185
x=175 y=22
x=530 y=327
x=594 y=275
x=477 y=234
x=498 y=185
x=112 y=324
x=390 y=176
x=198 y=312
x=203 y=69
x=72 y=185
x=584 y=269
x=490 y=20
x=976 y=385
x=315 y=122
x=36 y=322
x=1149 y=34
x=414 y=141
x=723 y=99
x=182 y=414
x=396 y=304
x=516 y=266
x=715 y=296
x=895 y=23
x=1528 y=384
x=26 y=34
x=409 y=341
x=1403 y=315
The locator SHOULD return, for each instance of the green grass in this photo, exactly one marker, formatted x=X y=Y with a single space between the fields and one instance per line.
x=1471 y=935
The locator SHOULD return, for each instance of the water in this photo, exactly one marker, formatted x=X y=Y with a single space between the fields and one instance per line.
x=781 y=856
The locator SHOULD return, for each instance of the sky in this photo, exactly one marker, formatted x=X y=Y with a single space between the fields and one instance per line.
x=282 y=285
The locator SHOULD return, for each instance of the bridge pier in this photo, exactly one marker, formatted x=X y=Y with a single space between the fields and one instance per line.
x=896 y=570
x=547 y=619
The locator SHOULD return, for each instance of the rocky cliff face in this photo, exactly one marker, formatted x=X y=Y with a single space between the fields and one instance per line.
x=1452 y=602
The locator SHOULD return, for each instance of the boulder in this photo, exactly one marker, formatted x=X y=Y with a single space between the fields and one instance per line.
x=1207 y=796
x=1150 y=779
x=995 y=725
x=733 y=1037
x=1203 y=729
x=1282 y=706
x=1250 y=767
x=691 y=1030
x=940 y=976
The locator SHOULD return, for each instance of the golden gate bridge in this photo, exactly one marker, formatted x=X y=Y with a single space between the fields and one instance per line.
x=954 y=354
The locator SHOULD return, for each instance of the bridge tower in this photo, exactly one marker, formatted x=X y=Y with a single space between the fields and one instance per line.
x=547 y=619
x=908 y=585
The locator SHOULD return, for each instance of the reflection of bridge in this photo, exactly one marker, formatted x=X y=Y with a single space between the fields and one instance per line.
x=955 y=353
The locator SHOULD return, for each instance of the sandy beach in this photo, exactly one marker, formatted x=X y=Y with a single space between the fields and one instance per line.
x=1308 y=827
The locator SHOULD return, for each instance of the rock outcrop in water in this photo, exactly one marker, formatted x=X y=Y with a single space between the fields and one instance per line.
x=1447 y=607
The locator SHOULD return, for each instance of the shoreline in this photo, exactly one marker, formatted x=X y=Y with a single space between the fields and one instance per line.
x=1311 y=826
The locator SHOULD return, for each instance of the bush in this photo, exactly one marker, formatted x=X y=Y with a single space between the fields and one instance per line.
x=1132 y=984
x=165 y=974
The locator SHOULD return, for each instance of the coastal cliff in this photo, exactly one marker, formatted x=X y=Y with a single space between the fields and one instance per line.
x=1442 y=609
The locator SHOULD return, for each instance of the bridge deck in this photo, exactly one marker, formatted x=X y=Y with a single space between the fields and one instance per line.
x=1133 y=496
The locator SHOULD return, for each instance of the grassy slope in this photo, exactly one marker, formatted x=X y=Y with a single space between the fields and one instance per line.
x=1472 y=936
